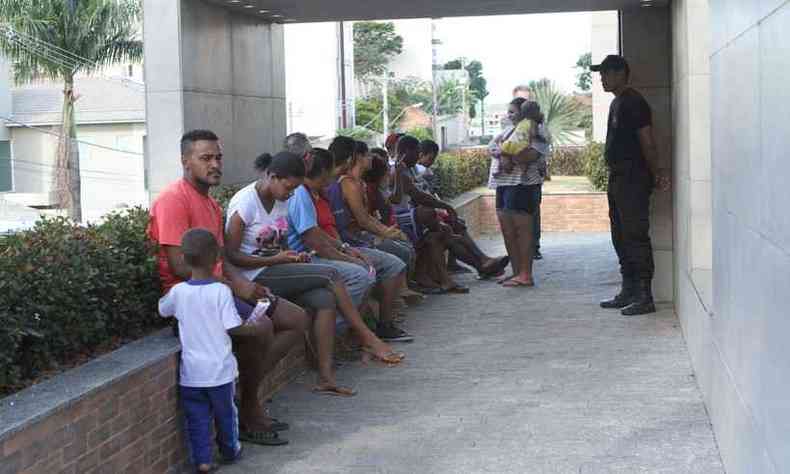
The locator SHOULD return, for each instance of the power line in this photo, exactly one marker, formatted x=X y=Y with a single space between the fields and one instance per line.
x=36 y=166
x=59 y=56
x=49 y=132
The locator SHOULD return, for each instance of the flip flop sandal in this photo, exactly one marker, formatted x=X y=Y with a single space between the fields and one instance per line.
x=263 y=438
x=433 y=291
x=458 y=270
x=391 y=358
x=506 y=279
x=334 y=391
x=278 y=425
x=516 y=284
x=458 y=290
x=212 y=468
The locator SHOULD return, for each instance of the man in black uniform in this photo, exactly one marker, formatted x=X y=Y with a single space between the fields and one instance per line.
x=632 y=159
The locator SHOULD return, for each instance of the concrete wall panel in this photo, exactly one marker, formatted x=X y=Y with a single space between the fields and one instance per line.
x=206 y=48
x=773 y=172
x=251 y=78
x=739 y=353
x=225 y=73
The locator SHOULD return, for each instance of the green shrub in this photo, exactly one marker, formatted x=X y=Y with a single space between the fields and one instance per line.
x=223 y=194
x=67 y=290
x=595 y=166
x=357 y=133
x=421 y=133
x=568 y=161
x=461 y=171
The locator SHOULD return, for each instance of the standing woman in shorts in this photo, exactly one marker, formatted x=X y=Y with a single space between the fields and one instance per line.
x=518 y=197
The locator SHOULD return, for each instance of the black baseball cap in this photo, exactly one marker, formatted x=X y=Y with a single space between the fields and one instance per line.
x=612 y=62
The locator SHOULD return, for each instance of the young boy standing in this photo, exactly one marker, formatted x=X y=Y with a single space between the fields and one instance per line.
x=205 y=311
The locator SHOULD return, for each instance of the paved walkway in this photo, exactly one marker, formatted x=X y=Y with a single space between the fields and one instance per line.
x=512 y=381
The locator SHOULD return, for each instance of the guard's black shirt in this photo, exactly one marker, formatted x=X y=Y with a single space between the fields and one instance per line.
x=628 y=113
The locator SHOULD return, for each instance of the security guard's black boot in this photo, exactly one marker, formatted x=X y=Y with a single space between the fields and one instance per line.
x=643 y=302
x=624 y=298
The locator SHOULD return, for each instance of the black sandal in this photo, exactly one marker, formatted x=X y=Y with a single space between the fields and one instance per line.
x=263 y=438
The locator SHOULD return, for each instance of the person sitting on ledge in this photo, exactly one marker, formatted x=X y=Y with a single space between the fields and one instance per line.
x=464 y=247
x=312 y=228
x=186 y=204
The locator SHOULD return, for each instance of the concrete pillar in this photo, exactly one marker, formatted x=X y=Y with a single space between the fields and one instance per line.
x=209 y=68
x=6 y=167
x=6 y=82
x=605 y=40
x=646 y=44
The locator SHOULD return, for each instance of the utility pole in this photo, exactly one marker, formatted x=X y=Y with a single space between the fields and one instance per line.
x=435 y=42
x=483 y=116
x=341 y=38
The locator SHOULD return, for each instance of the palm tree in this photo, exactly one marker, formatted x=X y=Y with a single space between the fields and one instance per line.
x=56 y=40
x=562 y=112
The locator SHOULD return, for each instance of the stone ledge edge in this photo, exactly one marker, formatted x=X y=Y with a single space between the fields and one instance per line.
x=23 y=409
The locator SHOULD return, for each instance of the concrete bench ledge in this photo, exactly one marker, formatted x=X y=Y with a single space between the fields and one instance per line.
x=63 y=390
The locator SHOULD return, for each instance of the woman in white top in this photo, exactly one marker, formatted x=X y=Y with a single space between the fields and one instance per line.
x=256 y=237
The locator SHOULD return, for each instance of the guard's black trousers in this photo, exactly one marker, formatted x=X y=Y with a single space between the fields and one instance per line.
x=630 y=187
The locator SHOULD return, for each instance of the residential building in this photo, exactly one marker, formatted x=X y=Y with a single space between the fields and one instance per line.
x=110 y=115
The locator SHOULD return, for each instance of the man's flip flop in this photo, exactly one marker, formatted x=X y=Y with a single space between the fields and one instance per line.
x=433 y=291
x=334 y=391
x=459 y=290
x=264 y=438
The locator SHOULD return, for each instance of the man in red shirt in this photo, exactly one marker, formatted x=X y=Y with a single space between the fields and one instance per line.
x=186 y=204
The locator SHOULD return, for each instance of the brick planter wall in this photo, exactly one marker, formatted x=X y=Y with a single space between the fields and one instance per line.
x=559 y=213
x=116 y=414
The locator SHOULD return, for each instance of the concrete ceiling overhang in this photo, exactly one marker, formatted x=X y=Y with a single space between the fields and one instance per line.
x=337 y=10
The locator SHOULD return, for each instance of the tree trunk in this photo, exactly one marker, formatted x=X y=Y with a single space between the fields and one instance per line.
x=68 y=182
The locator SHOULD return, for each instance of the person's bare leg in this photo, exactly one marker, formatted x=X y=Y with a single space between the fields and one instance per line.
x=510 y=236
x=251 y=372
x=525 y=229
x=367 y=338
x=290 y=324
x=461 y=250
x=438 y=245
x=389 y=291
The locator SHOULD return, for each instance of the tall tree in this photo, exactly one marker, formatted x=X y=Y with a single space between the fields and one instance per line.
x=562 y=112
x=584 y=76
x=477 y=82
x=401 y=93
x=57 y=39
x=375 y=44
